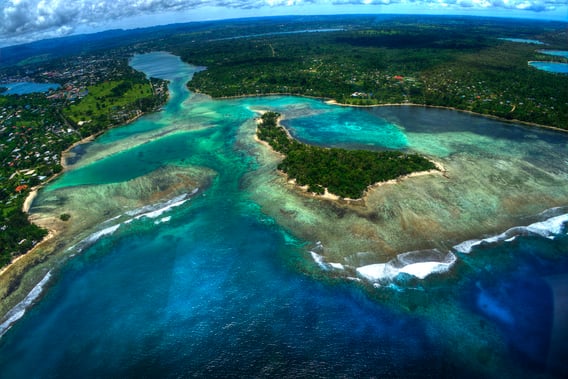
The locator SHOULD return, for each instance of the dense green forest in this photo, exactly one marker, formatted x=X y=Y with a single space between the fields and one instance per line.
x=346 y=173
x=453 y=62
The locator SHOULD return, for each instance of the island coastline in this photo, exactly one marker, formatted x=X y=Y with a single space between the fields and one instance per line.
x=304 y=189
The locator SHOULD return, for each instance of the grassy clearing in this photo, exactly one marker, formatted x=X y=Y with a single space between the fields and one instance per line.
x=107 y=97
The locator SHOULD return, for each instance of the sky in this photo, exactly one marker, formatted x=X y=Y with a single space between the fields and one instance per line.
x=24 y=21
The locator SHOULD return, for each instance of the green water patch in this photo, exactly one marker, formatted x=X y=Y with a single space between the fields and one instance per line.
x=314 y=122
x=129 y=164
x=343 y=127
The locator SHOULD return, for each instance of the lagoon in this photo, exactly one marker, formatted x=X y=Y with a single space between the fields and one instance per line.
x=24 y=88
x=556 y=53
x=199 y=260
x=553 y=67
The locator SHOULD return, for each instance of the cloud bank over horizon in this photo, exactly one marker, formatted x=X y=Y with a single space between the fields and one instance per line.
x=27 y=20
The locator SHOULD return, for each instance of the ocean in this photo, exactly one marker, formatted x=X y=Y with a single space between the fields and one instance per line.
x=232 y=274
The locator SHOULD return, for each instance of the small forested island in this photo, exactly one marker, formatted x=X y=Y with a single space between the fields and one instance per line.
x=345 y=173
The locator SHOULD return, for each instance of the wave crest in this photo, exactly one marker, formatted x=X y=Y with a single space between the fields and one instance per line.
x=419 y=264
x=19 y=310
x=423 y=263
x=549 y=228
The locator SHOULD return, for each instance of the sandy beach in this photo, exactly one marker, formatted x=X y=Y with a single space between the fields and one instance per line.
x=331 y=196
x=53 y=227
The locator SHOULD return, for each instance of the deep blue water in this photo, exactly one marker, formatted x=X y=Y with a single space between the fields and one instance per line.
x=221 y=290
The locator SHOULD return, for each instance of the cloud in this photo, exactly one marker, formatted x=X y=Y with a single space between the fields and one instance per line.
x=24 y=20
x=531 y=5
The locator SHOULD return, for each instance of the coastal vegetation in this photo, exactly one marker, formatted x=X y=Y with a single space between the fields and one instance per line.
x=459 y=63
x=36 y=128
x=346 y=173
x=113 y=102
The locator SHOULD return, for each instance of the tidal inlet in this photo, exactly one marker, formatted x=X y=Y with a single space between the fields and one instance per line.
x=187 y=251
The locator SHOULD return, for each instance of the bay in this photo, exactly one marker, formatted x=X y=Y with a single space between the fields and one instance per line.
x=217 y=284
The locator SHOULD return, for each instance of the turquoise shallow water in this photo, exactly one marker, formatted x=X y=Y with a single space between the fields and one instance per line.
x=523 y=40
x=215 y=288
x=557 y=53
x=554 y=67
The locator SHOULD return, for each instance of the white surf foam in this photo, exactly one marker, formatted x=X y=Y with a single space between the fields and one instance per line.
x=419 y=264
x=337 y=266
x=105 y=232
x=320 y=260
x=374 y=272
x=156 y=210
x=423 y=269
x=20 y=309
x=549 y=228
x=162 y=220
x=149 y=211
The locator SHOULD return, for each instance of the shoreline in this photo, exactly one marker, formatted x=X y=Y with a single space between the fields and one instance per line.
x=331 y=196
x=331 y=101
x=497 y=118
x=26 y=206
x=20 y=263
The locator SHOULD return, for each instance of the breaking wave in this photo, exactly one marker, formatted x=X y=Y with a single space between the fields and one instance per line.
x=549 y=228
x=151 y=211
x=18 y=311
x=156 y=210
x=423 y=263
x=419 y=264
x=320 y=260
x=97 y=235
